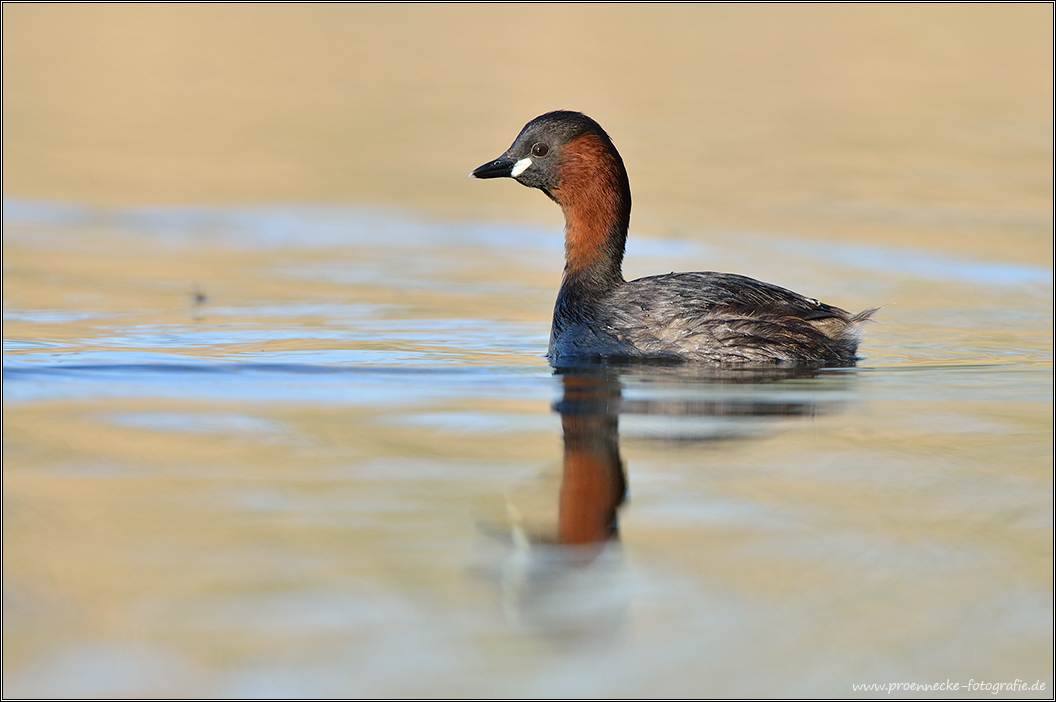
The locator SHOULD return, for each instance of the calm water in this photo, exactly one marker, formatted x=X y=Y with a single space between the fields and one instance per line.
x=319 y=452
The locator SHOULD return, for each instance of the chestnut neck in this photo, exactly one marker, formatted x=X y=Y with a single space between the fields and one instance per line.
x=596 y=198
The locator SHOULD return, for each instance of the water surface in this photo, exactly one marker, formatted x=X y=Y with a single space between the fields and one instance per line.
x=318 y=451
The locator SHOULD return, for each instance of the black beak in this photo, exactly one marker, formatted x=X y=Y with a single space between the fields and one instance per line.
x=501 y=167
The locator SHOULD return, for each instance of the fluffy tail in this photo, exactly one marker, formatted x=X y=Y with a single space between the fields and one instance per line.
x=853 y=331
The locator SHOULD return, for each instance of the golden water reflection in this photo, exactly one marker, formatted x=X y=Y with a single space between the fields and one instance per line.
x=350 y=471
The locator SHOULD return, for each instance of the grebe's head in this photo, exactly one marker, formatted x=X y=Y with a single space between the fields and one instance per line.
x=537 y=157
x=569 y=157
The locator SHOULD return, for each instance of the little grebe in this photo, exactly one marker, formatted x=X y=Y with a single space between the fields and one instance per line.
x=700 y=317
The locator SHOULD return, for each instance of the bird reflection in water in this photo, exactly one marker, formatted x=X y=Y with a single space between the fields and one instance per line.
x=566 y=579
x=593 y=484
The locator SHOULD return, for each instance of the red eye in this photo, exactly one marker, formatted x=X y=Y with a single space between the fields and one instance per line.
x=540 y=150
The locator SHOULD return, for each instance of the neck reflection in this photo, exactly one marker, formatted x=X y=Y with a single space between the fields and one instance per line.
x=566 y=582
x=593 y=484
x=676 y=404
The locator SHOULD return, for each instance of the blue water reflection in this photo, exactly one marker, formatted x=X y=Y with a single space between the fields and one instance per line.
x=320 y=452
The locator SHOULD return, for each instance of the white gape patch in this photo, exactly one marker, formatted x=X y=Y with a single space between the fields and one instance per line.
x=521 y=166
